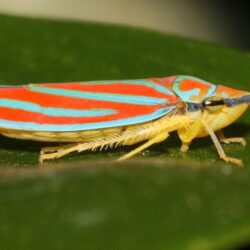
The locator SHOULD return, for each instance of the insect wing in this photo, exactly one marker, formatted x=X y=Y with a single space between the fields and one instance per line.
x=85 y=105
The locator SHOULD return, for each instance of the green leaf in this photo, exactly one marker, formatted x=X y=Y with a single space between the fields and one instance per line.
x=159 y=200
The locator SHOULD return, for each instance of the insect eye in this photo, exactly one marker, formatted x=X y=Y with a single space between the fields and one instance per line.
x=213 y=104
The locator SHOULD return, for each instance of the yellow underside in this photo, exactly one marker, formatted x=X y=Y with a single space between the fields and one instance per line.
x=129 y=134
x=225 y=117
x=216 y=121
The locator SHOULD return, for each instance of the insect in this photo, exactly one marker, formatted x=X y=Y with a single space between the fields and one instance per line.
x=101 y=114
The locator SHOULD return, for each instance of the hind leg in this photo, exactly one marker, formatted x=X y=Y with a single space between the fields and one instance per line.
x=157 y=139
x=49 y=153
x=56 y=148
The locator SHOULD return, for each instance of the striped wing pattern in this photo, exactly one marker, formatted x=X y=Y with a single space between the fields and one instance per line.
x=85 y=105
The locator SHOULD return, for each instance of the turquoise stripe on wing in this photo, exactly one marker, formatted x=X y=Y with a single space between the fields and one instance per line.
x=33 y=126
x=64 y=112
x=143 y=82
x=117 y=98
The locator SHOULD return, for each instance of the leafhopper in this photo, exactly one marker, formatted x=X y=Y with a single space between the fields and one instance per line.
x=105 y=114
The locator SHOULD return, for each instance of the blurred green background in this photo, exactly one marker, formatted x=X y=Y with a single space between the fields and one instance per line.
x=162 y=199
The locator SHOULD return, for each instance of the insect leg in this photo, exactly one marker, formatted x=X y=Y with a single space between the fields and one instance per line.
x=158 y=138
x=57 y=152
x=185 y=147
x=56 y=148
x=223 y=139
x=187 y=134
x=219 y=147
x=62 y=150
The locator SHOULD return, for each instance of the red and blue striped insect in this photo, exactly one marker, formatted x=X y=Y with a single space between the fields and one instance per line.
x=100 y=114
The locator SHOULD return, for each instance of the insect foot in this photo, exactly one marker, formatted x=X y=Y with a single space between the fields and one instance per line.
x=225 y=140
x=239 y=140
x=232 y=160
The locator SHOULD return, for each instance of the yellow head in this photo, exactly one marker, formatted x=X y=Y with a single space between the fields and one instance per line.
x=225 y=106
x=218 y=105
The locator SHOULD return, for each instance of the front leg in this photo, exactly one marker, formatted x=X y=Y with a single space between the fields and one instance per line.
x=218 y=146
x=223 y=139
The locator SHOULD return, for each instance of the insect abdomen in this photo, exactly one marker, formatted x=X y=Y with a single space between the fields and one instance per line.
x=76 y=136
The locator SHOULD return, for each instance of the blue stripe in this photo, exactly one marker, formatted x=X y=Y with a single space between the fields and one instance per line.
x=186 y=95
x=211 y=90
x=80 y=127
x=230 y=102
x=31 y=107
x=143 y=82
x=118 y=98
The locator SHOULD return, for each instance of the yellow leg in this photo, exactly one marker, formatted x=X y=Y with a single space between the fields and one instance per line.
x=188 y=134
x=159 y=138
x=60 y=151
x=219 y=147
x=56 y=148
x=223 y=139
x=50 y=153
x=185 y=147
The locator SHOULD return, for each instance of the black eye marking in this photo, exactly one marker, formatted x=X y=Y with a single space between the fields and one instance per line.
x=212 y=103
